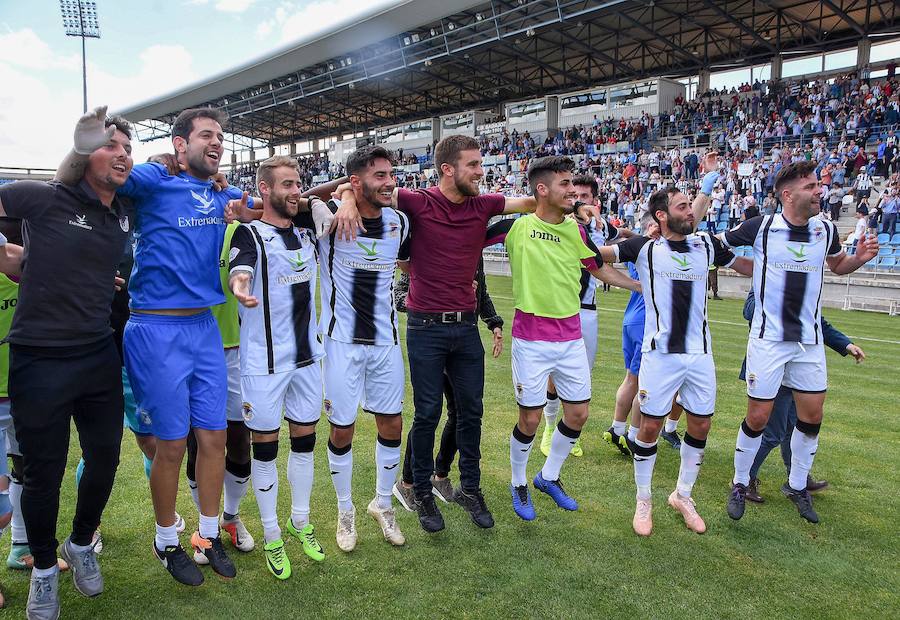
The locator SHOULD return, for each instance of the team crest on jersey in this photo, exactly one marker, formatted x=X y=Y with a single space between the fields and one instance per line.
x=247 y=411
x=124 y=224
x=643 y=395
x=751 y=380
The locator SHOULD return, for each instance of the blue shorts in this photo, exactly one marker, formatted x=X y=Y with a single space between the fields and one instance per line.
x=632 y=341
x=176 y=365
x=137 y=424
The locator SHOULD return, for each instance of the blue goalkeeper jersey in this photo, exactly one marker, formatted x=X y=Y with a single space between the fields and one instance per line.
x=180 y=224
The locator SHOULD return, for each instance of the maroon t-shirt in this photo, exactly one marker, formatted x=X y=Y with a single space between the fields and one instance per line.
x=446 y=243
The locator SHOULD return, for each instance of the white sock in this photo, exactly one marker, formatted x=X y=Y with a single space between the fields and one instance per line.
x=195 y=493
x=551 y=409
x=644 y=461
x=235 y=490
x=803 y=451
x=300 y=475
x=265 y=486
x=17 y=524
x=166 y=536
x=341 y=476
x=209 y=526
x=519 y=451
x=691 y=458
x=560 y=447
x=745 y=451
x=632 y=432
x=387 y=459
x=671 y=425
x=619 y=427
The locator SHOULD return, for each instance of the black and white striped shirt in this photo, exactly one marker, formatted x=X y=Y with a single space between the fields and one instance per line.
x=788 y=271
x=280 y=333
x=589 y=283
x=357 y=280
x=673 y=278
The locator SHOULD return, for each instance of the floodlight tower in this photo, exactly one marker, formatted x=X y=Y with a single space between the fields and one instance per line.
x=80 y=20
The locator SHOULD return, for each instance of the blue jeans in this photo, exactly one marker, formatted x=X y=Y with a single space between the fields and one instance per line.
x=889 y=223
x=432 y=348
x=778 y=431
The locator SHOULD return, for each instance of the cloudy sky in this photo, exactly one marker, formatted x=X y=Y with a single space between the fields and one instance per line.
x=148 y=48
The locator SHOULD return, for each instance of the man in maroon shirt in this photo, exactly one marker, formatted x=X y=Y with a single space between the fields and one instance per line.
x=448 y=224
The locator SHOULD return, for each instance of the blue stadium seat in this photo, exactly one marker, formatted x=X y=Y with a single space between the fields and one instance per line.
x=887 y=262
x=702 y=225
x=895 y=240
x=872 y=263
x=883 y=238
x=885 y=251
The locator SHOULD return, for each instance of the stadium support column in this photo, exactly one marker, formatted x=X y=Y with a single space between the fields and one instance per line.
x=552 y=108
x=703 y=81
x=863 y=54
x=271 y=150
x=293 y=147
x=775 y=72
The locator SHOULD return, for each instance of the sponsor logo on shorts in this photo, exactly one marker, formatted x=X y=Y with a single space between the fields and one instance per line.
x=643 y=395
x=145 y=417
x=328 y=408
x=519 y=388
x=247 y=411
x=751 y=379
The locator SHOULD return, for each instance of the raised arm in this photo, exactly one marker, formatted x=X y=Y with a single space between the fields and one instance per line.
x=90 y=134
x=709 y=165
x=843 y=263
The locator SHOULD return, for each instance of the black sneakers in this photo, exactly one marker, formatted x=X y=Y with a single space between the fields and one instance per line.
x=430 y=517
x=473 y=503
x=215 y=554
x=803 y=501
x=179 y=565
x=736 y=501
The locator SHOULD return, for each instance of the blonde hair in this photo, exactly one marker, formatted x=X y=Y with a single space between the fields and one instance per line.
x=267 y=167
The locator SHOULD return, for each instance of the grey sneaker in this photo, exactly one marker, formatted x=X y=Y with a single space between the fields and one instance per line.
x=43 y=597
x=442 y=489
x=86 y=575
x=405 y=495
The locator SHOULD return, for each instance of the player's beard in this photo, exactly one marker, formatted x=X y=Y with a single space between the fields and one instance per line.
x=466 y=189
x=373 y=198
x=201 y=165
x=680 y=226
x=281 y=207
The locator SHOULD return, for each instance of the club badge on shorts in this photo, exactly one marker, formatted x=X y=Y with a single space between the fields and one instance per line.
x=751 y=380
x=643 y=395
x=247 y=411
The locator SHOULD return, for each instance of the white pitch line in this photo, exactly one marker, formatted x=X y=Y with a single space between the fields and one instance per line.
x=733 y=324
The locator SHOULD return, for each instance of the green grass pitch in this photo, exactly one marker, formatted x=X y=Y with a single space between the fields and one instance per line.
x=587 y=563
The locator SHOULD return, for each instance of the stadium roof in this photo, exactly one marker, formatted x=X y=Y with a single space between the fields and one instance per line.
x=424 y=58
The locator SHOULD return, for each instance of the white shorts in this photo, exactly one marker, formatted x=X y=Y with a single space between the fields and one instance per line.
x=690 y=375
x=369 y=375
x=771 y=364
x=533 y=361
x=589 y=334
x=296 y=393
x=234 y=409
x=12 y=445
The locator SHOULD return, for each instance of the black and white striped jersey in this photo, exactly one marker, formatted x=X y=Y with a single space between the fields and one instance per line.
x=788 y=271
x=589 y=283
x=280 y=333
x=357 y=280
x=673 y=279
